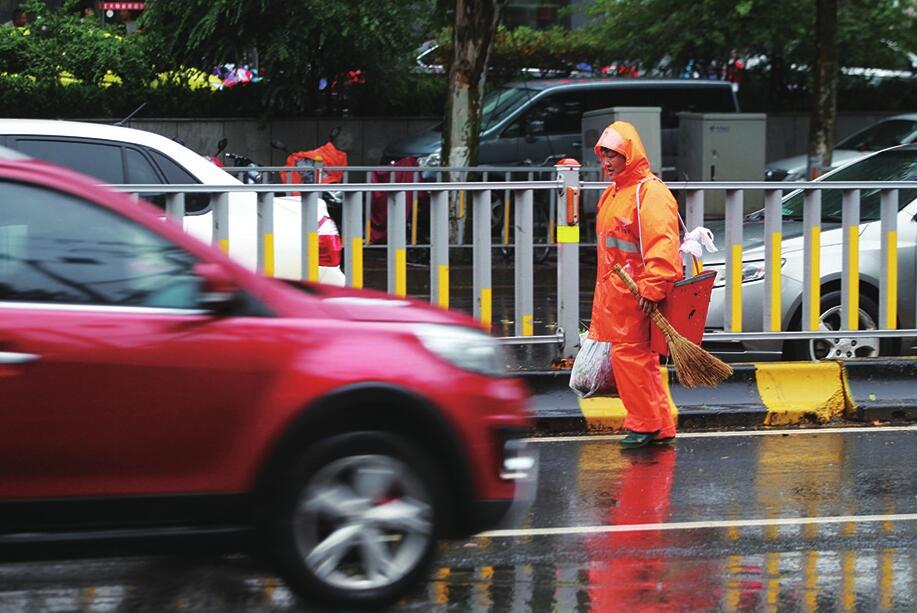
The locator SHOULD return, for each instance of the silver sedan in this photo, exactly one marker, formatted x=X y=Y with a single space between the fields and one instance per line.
x=895 y=164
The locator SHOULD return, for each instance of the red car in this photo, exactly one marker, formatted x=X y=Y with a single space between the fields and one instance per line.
x=151 y=387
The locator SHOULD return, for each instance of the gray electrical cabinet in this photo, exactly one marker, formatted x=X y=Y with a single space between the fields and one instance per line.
x=644 y=118
x=647 y=122
x=722 y=147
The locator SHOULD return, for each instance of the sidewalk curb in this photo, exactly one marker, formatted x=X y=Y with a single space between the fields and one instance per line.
x=881 y=389
x=758 y=394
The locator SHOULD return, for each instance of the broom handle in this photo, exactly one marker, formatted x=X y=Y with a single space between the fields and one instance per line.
x=629 y=282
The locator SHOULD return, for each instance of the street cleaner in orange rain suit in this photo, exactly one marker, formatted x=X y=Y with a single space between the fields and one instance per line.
x=647 y=247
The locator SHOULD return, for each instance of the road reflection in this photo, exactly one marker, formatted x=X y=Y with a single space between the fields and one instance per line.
x=844 y=567
x=837 y=567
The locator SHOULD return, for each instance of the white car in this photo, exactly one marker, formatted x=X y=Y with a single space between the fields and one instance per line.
x=123 y=156
x=894 y=164
x=897 y=130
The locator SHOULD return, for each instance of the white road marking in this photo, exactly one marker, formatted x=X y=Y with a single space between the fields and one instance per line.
x=614 y=437
x=696 y=525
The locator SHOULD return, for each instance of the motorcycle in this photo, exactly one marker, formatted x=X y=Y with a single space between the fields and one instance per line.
x=250 y=176
x=214 y=158
x=329 y=238
x=310 y=168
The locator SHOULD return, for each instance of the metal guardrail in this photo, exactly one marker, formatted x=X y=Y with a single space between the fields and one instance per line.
x=447 y=201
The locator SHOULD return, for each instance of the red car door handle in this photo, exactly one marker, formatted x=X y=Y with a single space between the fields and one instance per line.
x=9 y=357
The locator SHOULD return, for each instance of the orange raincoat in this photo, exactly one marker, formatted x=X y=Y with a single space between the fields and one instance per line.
x=647 y=247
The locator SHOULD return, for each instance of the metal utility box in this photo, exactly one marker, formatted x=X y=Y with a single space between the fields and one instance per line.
x=646 y=119
x=722 y=147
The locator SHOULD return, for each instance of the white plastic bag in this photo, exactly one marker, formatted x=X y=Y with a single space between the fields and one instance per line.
x=592 y=374
x=696 y=241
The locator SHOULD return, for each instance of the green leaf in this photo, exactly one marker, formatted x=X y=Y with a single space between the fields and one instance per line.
x=744 y=8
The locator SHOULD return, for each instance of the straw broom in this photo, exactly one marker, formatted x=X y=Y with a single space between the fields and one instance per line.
x=693 y=365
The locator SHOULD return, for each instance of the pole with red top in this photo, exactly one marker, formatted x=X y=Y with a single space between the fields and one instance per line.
x=568 y=238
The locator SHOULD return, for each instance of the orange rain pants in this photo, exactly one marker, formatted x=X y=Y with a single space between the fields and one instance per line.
x=646 y=245
x=639 y=382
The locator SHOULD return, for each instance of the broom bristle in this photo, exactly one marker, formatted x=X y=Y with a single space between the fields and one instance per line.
x=693 y=366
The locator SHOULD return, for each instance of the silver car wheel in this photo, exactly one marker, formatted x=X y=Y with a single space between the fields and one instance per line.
x=363 y=522
x=843 y=348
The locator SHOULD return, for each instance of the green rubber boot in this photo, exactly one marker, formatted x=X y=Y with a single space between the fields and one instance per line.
x=634 y=440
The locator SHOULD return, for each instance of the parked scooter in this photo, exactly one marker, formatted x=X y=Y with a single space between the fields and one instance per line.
x=215 y=157
x=249 y=177
x=311 y=169
x=329 y=238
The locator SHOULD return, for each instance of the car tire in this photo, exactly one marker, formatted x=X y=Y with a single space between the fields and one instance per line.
x=839 y=348
x=356 y=520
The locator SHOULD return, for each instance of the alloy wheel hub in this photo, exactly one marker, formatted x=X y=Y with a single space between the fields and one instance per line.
x=363 y=522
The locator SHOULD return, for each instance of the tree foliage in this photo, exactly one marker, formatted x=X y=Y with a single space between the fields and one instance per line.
x=776 y=36
x=305 y=48
x=666 y=34
x=552 y=50
x=58 y=42
x=59 y=61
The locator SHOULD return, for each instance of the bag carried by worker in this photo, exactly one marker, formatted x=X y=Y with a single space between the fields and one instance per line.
x=592 y=374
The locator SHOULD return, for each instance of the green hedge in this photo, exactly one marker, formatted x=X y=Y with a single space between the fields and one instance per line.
x=62 y=66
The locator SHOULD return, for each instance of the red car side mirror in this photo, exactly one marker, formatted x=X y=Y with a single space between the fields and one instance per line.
x=218 y=291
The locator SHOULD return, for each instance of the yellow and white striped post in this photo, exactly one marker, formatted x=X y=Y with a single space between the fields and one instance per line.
x=850 y=281
x=352 y=219
x=309 y=234
x=439 y=249
x=266 y=233
x=525 y=280
x=567 y=256
x=483 y=293
x=732 y=317
x=397 y=249
x=773 y=261
x=888 y=285
x=220 y=204
x=811 y=279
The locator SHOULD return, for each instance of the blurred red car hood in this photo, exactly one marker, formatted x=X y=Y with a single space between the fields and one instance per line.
x=371 y=305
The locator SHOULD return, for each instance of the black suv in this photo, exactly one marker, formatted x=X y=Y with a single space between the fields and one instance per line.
x=538 y=122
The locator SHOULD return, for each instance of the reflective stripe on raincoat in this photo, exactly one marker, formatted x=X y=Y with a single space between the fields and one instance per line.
x=646 y=247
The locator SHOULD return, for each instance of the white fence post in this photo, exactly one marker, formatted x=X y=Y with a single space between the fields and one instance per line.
x=567 y=258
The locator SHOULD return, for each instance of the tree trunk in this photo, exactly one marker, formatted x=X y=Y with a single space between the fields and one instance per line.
x=824 y=90
x=475 y=26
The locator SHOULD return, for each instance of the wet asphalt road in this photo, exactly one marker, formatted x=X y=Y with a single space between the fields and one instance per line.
x=812 y=520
